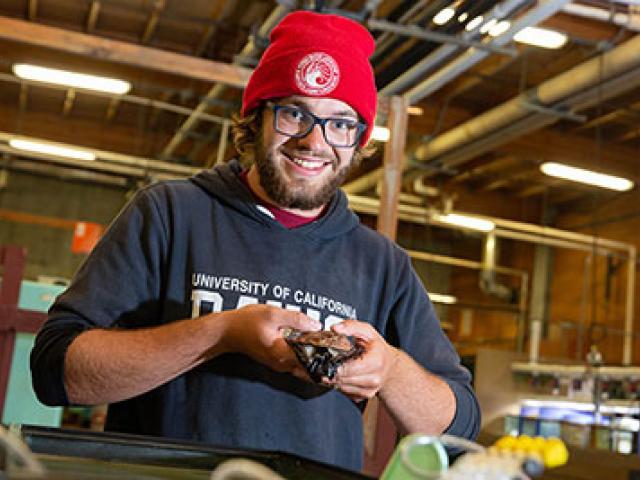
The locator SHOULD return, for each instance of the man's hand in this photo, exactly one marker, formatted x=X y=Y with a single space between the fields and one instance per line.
x=363 y=377
x=256 y=331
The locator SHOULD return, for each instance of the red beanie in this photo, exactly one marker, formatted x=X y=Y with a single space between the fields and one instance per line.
x=317 y=55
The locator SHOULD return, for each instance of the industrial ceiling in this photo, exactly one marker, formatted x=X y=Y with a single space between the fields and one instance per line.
x=491 y=109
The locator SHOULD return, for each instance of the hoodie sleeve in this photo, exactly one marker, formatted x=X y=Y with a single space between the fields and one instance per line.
x=416 y=329
x=119 y=283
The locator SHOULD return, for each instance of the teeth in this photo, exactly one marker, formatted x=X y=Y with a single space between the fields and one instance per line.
x=306 y=163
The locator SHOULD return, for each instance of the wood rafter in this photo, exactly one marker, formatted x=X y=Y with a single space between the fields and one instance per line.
x=68 y=102
x=488 y=168
x=23 y=100
x=490 y=67
x=112 y=109
x=152 y=23
x=630 y=135
x=630 y=113
x=508 y=177
x=92 y=16
x=578 y=151
x=32 y=9
x=122 y=52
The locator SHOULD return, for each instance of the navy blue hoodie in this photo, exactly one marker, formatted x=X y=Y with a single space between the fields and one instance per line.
x=185 y=248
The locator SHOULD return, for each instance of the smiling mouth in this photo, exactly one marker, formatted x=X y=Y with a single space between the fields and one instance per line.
x=307 y=163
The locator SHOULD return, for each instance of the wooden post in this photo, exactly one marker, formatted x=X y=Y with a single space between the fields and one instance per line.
x=379 y=430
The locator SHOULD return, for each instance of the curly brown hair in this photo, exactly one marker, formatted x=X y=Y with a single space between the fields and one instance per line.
x=245 y=131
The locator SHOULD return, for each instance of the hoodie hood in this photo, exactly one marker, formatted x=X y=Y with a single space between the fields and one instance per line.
x=223 y=183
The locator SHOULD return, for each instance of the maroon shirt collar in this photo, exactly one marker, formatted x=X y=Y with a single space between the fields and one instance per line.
x=286 y=219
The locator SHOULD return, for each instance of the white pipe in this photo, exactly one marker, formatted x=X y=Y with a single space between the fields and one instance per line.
x=630 y=22
x=584 y=76
x=111 y=161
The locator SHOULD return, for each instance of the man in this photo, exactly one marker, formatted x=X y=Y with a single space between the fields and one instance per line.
x=176 y=318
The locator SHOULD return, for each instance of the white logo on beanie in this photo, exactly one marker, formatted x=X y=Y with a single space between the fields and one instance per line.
x=317 y=74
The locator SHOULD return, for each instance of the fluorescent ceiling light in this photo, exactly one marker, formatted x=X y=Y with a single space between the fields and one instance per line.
x=71 y=79
x=541 y=37
x=413 y=110
x=473 y=24
x=380 y=134
x=467 y=221
x=586 y=176
x=441 y=298
x=499 y=28
x=52 y=149
x=463 y=16
x=444 y=15
x=488 y=26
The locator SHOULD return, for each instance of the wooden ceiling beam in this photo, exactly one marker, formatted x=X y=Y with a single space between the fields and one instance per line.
x=491 y=167
x=152 y=23
x=630 y=113
x=68 y=102
x=112 y=109
x=32 y=9
x=92 y=16
x=547 y=145
x=23 y=100
x=629 y=135
x=122 y=52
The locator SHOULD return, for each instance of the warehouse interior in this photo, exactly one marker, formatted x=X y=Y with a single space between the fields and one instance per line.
x=477 y=114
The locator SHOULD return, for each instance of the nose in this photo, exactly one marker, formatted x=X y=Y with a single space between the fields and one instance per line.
x=314 y=140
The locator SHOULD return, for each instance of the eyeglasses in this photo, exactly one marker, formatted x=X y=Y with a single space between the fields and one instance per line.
x=297 y=122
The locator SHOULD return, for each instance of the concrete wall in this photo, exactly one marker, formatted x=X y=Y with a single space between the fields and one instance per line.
x=49 y=248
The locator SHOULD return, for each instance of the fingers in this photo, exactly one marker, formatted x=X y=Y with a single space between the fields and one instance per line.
x=299 y=321
x=357 y=329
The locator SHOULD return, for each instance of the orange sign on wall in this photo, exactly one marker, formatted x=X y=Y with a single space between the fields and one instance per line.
x=85 y=236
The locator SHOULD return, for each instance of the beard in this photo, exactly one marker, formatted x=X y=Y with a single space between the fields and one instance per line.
x=291 y=193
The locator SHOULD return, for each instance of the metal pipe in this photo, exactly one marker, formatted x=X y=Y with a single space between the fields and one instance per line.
x=425 y=34
x=108 y=159
x=382 y=40
x=250 y=49
x=134 y=99
x=534 y=16
x=585 y=76
x=456 y=154
x=621 y=19
x=462 y=262
x=439 y=56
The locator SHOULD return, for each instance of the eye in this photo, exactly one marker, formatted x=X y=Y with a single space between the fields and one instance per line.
x=342 y=124
x=294 y=114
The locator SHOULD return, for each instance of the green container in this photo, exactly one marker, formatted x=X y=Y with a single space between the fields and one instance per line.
x=417 y=457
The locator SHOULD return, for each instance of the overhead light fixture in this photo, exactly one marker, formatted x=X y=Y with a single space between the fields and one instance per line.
x=380 y=134
x=51 y=149
x=466 y=221
x=413 y=110
x=488 y=26
x=541 y=37
x=589 y=177
x=71 y=79
x=473 y=24
x=442 y=298
x=499 y=28
x=444 y=15
x=463 y=16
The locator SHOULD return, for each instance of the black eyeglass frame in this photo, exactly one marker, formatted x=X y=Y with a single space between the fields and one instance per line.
x=316 y=121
